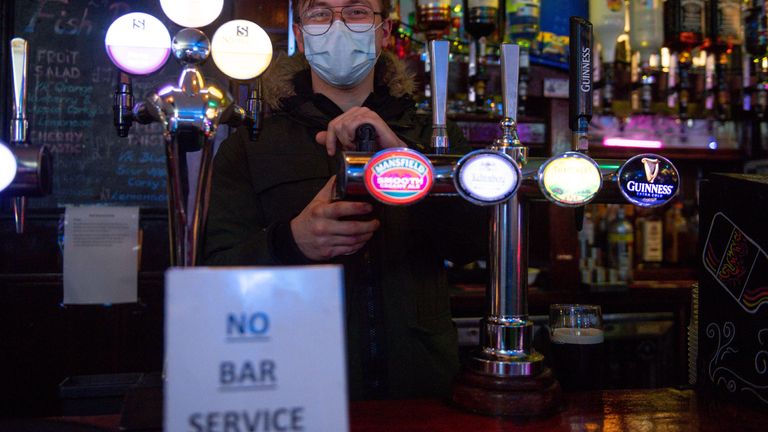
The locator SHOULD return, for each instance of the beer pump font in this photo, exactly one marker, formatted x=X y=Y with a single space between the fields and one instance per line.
x=191 y=109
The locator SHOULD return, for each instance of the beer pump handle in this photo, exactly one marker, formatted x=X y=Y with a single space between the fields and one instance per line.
x=234 y=116
x=255 y=111
x=365 y=137
x=580 y=89
x=580 y=85
x=122 y=106
x=438 y=54
x=19 y=50
x=510 y=75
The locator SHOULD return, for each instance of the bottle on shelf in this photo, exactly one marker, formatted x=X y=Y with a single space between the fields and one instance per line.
x=646 y=34
x=726 y=35
x=433 y=17
x=756 y=45
x=607 y=17
x=522 y=28
x=480 y=21
x=675 y=235
x=621 y=239
x=651 y=238
x=684 y=30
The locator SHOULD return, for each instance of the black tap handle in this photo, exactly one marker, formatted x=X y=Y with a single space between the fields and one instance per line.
x=579 y=217
x=580 y=65
x=255 y=111
x=365 y=137
x=122 y=106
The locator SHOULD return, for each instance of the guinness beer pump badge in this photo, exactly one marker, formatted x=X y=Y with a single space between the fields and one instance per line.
x=570 y=179
x=648 y=180
x=399 y=176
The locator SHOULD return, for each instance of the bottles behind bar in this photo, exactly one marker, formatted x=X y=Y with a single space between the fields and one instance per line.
x=646 y=33
x=522 y=28
x=608 y=20
x=619 y=240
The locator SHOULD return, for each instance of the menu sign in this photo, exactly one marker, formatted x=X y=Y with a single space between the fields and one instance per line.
x=255 y=349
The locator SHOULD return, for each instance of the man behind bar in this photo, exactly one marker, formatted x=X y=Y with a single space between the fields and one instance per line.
x=271 y=199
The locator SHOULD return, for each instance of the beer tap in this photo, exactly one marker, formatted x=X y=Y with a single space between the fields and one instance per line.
x=505 y=376
x=190 y=110
x=32 y=163
x=434 y=19
x=438 y=54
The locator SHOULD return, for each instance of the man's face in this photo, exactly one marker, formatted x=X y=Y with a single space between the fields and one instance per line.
x=382 y=33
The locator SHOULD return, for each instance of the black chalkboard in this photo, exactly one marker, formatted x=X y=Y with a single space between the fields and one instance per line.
x=71 y=83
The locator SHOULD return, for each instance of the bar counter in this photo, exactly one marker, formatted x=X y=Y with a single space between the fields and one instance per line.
x=665 y=409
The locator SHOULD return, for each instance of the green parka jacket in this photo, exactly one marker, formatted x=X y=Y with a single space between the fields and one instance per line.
x=403 y=344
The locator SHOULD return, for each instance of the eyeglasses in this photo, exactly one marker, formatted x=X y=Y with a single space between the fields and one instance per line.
x=357 y=18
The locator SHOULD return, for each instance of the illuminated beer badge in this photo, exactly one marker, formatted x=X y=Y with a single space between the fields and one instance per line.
x=486 y=177
x=138 y=43
x=398 y=176
x=648 y=180
x=570 y=179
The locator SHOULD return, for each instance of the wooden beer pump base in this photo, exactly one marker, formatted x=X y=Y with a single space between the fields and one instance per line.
x=529 y=396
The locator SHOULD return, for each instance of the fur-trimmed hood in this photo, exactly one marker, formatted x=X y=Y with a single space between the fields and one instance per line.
x=277 y=81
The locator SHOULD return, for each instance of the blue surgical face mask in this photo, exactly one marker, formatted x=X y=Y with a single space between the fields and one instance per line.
x=341 y=57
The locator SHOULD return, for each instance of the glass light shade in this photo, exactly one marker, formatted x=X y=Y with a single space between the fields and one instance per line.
x=7 y=166
x=138 y=43
x=192 y=13
x=241 y=49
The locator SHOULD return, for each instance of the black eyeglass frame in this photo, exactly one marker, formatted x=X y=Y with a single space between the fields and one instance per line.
x=340 y=10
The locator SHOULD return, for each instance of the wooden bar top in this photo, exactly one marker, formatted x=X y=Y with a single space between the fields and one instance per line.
x=607 y=411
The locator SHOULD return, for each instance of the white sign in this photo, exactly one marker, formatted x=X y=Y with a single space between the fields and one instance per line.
x=101 y=252
x=257 y=349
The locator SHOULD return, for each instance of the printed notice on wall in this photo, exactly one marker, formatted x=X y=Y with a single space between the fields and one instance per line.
x=101 y=251
x=255 y=349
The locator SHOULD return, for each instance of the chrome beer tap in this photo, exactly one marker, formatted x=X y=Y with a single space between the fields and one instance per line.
x=191 y=110
x=190 y=113
x=32 y=163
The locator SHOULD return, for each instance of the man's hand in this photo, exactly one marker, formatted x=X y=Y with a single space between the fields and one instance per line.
x=341 y=131
x=320 y=234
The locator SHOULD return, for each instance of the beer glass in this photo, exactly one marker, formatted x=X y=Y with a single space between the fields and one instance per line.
x=576 y=336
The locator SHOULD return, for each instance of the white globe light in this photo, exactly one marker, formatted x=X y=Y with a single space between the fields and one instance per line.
x=7 y=167
x=192 y=13
x=241 y=49
x=138 y=43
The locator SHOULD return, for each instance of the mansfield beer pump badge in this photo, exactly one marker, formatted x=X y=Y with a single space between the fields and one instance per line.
x=399 y=176
x=648 y=180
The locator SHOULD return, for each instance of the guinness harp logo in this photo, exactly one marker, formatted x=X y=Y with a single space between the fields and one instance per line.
x=651 y=168
x=648 y=180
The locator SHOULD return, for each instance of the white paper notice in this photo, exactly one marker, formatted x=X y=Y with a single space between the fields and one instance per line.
x=101 y=250
x=255 y=349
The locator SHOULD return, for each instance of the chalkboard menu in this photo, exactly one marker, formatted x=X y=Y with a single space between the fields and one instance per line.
x=71 y=83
